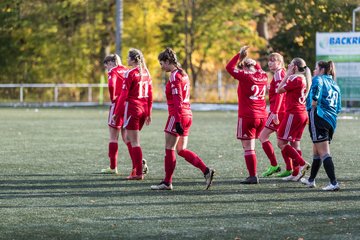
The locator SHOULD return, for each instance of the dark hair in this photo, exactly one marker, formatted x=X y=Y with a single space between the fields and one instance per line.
x=329 y=67
x=170 y=55
x=113 y=58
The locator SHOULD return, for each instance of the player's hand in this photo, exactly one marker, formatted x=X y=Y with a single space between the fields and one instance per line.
x=114 y=117
x=148 y=120
x=179 y=128
x=291 y=69
x=276 y=119
x=243 y=52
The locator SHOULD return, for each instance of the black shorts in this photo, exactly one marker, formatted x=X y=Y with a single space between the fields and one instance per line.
x=320 y=130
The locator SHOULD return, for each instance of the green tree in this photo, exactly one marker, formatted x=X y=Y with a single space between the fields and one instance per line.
x=205 y=33
x=298 y=22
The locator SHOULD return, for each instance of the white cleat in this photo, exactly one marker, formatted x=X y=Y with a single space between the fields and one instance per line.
x=162 y=186
x=307 y=183
x=331 y=187
x=293 y=178
x=109 y=171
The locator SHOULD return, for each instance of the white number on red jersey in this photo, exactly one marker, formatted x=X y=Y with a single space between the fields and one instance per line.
x=187 y=90
x=143 y=89
x=258 y=94
x=302 y=99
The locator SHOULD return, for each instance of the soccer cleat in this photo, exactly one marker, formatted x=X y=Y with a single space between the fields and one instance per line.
x=136 y=177
x=209 y=178
x=145 y=167
x=271 y=170
x=250 y=180
x=162 y=186
x=132 y=174
x=285 y=173
x=293 y=178
x=109 y=171
x=308 y=183
x=304 y=168
x=331 y=187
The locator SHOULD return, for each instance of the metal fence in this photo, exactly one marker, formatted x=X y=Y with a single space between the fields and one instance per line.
x=93 y=94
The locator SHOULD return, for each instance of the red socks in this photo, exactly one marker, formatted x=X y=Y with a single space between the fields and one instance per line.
x=130 y=153
x=137 y=159
x=250 y=159
x=295 y=155
x=288 y=161
x=269 y=151
x=113 y=152
x=170 y=163
x=193 y=159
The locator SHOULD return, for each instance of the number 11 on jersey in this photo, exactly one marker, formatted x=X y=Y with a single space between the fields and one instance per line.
x=143 y=89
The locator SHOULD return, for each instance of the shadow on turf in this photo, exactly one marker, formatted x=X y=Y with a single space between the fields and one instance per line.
x=120 y=189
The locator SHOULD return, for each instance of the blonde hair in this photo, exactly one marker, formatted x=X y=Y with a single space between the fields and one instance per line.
x=278 y=57
x=137 y=56
x=304 y=70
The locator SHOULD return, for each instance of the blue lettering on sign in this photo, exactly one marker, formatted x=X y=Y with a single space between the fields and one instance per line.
x=344 y=40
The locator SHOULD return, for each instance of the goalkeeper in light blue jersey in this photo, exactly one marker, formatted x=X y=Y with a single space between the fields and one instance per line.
x=323 y=104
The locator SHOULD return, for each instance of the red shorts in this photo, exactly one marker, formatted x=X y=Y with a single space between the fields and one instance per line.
x=119 y=120
x=249 y=128
x=134 y=116
x=186 y=122
x=292 y=126
x=270 y=121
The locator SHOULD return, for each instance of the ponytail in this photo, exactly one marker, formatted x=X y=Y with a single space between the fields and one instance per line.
x=304 y=70
x=329 y=68
x=117 y=60
x=332 y=70
x=137 y=56
x=308 y=80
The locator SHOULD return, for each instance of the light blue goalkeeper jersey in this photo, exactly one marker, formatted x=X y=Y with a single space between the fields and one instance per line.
x=326 y=92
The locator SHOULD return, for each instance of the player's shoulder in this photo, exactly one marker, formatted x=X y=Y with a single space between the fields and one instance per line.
x=121 y=69
x=177 y=75
x=296 y=77
x=279 y=74
x=131 y=72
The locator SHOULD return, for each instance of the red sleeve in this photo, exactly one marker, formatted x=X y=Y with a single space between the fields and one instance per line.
x=278 y=102
x=177 y=97
x=120 y=105
x=112 y=85
x=231 y=67
x=150 y=98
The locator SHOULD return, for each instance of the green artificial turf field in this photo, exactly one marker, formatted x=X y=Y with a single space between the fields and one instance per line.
x=50 y=186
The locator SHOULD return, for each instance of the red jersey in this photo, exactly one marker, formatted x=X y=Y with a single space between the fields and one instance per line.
x=251 y=90
x=115 y=81
x=178 y=95
x=295 y=94
x=136 y=90
x=277 y=101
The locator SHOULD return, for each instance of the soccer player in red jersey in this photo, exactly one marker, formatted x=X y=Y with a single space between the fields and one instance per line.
x=135 y=104
x=251 y=106
x=179 y=121
x=296 y=84
x=277 y=106
x=116 y=73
